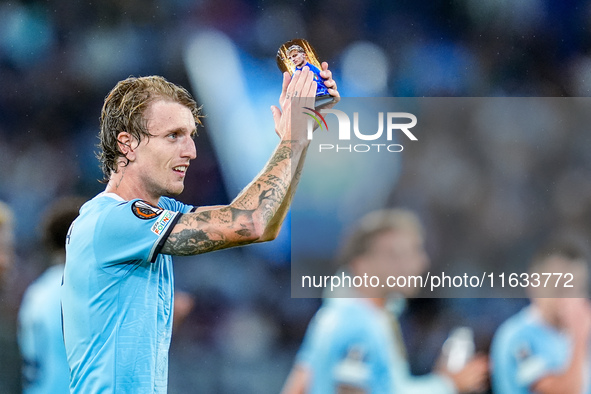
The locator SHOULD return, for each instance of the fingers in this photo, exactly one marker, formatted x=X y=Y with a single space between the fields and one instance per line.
x=284 y=86
x=302 y=84
x=473 y=376
x=291 y=122
x=334 y=92
x=325 y=72
x=330 y=83
x=303 y=92
x=277 y=119
x=309 y=88
x=286 y=80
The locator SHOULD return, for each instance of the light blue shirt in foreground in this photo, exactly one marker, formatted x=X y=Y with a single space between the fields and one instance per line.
x=117 y=295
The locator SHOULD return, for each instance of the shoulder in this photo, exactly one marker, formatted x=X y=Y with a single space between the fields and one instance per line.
x=43 y=292
x=514 y=327
x=174 y=205
x=522 y=335
x=524 y=323
x=337 y=324
x=352 y=318
x=107 y=216
x=110 y=204
x=524 y=349
x=100 y=204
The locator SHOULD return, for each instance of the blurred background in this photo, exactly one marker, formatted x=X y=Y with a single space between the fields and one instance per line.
x=59 y=59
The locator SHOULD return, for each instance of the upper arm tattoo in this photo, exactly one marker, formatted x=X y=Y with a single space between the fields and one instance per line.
x=206 y=231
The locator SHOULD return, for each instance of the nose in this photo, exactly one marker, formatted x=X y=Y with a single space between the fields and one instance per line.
x=190 y=151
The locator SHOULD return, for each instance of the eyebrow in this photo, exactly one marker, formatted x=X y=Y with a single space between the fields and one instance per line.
x=181 y=130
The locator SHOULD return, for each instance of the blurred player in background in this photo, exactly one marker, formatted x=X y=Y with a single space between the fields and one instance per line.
x=545 y=347
x=298 y=56
x=6 y=242
x=45 y=367
x=9 y=370
x=117 y=295
x=354 y=345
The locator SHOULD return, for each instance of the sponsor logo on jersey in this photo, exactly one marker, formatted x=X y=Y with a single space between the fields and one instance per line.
x=162 y=222
x=144 y=210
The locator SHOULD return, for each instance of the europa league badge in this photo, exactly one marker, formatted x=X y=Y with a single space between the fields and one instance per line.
x=295 y=55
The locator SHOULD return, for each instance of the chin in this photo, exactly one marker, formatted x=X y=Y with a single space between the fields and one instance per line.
x=172 y=192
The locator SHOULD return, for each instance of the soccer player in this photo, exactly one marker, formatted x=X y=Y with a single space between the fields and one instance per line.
x=45 y=367
x=6 y=242
x=117 y=295
x=545 y=347
x=10 y=381
x=298 y=56
x=353 y=345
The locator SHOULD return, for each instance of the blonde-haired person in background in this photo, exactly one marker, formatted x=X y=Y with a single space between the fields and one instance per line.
x=353 y=344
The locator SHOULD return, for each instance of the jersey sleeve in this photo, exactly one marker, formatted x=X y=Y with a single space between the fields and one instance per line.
x=320 y=341
x=176 y=206
x=345 y=346
x=534 y=353
x=133 y=231
x=533 y=361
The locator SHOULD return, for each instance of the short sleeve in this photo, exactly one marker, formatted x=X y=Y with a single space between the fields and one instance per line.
x=174 y=205
x=317 y=341
x=131 y=231
x=530 y=366
x=345 y=345
x=538 y=354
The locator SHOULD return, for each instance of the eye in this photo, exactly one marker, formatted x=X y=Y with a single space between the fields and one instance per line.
x=172 y=136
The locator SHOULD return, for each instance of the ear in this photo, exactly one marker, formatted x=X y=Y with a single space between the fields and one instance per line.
x=124 y=143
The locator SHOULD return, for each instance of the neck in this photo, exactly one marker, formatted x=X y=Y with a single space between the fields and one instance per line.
x=372 y=297
x=379 y=302
x=119 y=185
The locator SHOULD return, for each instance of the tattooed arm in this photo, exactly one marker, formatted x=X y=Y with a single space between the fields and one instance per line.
x=272 y=229
x=275 y=225
x=256 y=214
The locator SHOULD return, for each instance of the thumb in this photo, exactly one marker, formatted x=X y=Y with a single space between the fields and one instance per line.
x=276 y=118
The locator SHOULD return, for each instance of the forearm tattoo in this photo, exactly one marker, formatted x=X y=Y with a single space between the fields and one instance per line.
x=234 y=225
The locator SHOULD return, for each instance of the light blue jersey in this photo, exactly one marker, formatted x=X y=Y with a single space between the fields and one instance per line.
x=117 y=295
x=45 y=367
x=351 y=342
x=525 y=349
